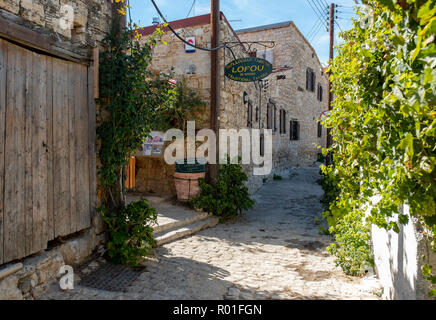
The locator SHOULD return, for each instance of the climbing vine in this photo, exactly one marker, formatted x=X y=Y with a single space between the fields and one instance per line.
x=384 y=118
x=131 y=100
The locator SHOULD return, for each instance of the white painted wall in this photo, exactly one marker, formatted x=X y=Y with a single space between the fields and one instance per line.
x=398 y=260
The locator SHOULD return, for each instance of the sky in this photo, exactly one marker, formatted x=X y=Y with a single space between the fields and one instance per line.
x=252 y=13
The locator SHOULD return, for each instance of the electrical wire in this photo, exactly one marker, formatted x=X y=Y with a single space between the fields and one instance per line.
x=192 y=7
x=314 y=31
x=186 y=42
x=319 y=8
x=316 y=13
x=315 y=34
x=319 y=5
x=315 y=25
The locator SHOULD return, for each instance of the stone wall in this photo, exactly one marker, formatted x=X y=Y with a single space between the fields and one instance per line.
x=399 y=257
x=89 y=24
x=154 y=177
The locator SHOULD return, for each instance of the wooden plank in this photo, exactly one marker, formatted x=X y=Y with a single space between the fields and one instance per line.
x=62 y=217
x=14 y=222
x=3 y=66
x=92 y=146
x=28 y=128
x=49 y=150
x=73 y=101
x=39 y=154
x=82 y=152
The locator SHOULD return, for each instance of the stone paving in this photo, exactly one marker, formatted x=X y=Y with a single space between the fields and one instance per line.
x=271 y=252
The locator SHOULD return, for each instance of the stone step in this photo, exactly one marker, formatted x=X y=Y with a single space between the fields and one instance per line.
x=172 y=216
x=186 y=230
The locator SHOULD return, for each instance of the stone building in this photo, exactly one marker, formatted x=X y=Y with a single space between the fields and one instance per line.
x=48 y=156
x=289 y=101
x=298 y=87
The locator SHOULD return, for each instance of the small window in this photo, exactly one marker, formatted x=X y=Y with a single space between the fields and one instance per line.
x=281 y=77
x=269 y=116
x=275 y=119
x=250 y=115
x=283 y=121
x=319 y=130
x=294 y=130
x=319 y=94
x=310 y=80
x=262 y=145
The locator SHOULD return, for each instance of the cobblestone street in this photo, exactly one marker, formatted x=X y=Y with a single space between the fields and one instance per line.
x=271 y=252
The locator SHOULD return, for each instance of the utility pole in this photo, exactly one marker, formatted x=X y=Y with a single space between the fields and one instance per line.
x=329 y=96
x=215 y=80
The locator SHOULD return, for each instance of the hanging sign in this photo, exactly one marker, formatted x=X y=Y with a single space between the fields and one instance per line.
x=248 y=69
x=188 y=48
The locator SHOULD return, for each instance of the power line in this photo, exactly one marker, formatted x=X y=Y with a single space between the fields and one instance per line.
x=319 y=7
x=315 y=31
x=338 y=26
x=192 y=7
x=183 y=40
x=315 y=25
x=316 y=13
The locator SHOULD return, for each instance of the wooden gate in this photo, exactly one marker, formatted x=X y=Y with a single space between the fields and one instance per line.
x=47 y=150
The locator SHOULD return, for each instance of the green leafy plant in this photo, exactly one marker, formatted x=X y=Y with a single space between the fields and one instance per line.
x=131 y=99
x=277 y=177
x=229 y=196
x=352 y=248
x=187 y=106
x=130 y=232
x=383 y=122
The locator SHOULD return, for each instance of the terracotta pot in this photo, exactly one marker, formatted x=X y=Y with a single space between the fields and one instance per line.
x=187 y=186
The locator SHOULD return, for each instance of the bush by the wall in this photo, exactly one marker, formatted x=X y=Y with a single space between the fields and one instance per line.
x=130 y=232
x=229 y=196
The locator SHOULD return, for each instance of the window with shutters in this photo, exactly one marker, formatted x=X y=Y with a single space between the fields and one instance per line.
x=319 y=130
x=310 y=80
x=250 y=115
x=319 y=92
x=294 y=130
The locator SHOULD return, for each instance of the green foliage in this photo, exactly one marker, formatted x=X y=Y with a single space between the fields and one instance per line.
x=130 y=232
x=186 y=106
x=131 y=100
x=277 y=177
x=352 y=248
x=384 y=118
x=229 y=196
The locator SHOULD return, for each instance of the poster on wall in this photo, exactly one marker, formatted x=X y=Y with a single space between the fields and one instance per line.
x=188 y=48
x=153 y=145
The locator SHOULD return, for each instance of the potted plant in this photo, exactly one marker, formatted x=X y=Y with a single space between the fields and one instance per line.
x=186 y=178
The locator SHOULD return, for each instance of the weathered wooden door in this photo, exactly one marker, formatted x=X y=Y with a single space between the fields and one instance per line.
x=45 y=129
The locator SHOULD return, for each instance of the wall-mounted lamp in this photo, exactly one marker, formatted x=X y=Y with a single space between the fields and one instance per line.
x=245 y=97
